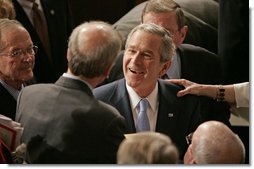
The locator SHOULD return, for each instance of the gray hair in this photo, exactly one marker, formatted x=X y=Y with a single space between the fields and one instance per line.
x=162 y=6
x=6 y=23
x=92 y=53
x=167 y=48
x=147 y=148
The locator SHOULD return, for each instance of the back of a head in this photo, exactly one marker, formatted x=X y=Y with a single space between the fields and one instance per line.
x=214 y=143
x=93 y=47
x=164 y=6
x=7 y=9
x=147 y=148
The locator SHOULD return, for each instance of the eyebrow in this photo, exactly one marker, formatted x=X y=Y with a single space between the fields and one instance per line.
x=143 y=51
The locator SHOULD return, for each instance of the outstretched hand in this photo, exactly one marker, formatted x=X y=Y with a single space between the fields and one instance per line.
x=190 y=87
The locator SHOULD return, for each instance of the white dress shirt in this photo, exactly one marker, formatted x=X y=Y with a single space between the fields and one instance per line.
x=152 y=108
x=27 y=6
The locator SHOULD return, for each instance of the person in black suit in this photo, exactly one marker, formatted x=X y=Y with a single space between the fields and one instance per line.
x=149 y=49
x=48 y=65
x=17 y=57
x=190 y=62
x=201 y=18
x=64 y=123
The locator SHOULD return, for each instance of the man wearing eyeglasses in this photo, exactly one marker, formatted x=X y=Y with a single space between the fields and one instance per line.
x=17 y=55
x=214 y=143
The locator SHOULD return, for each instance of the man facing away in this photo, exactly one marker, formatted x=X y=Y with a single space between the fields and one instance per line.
x=63 y=122
x=148 y=53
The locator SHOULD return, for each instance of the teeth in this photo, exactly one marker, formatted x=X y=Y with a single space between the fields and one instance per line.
x=133 y=71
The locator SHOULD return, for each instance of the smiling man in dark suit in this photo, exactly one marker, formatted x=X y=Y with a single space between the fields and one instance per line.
x=189 y=62
x=149 y=49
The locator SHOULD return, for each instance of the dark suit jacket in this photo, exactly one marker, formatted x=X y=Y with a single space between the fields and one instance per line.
x=64 y=123
x=7 y=103
x=201 y=66
x=198 y=65
x=185 y=110
x=59 y=23
x=201 y=19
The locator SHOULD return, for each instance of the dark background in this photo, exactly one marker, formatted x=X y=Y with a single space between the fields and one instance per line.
x=106 y=10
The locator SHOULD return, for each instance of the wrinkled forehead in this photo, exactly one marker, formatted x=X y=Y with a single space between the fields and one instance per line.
x=14 y=36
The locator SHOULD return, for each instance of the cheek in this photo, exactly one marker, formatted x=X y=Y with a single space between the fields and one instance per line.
x=6 y=67
x=126 y=61
x=154 y=68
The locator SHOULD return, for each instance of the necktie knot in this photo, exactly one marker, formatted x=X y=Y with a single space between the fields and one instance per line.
x=143 y=121
x=143 y=104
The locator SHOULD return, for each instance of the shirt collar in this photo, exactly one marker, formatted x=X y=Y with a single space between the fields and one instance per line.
x=135 y=98
x=71 y=76
x=14 y=92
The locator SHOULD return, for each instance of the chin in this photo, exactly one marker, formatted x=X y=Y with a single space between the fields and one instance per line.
x=28 y=77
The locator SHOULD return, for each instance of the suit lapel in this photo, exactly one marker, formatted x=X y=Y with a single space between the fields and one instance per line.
x=166 y=111
x=122 y=103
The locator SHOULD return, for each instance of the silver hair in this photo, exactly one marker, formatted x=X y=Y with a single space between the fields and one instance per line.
x=7 y=23
x=92 y=60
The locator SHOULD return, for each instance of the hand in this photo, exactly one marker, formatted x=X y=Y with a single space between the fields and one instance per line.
x=190 y=87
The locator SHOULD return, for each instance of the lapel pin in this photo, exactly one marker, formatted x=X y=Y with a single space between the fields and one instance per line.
x=170 y=114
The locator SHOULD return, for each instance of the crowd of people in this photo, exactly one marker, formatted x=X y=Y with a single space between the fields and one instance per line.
x=79 y=93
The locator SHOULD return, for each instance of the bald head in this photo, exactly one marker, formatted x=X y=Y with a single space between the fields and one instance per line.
x=93 y=47
x=93 y=35
x=214 y=143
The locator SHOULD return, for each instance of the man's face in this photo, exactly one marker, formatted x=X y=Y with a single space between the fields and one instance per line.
x=16 y=68
x=141 y=63
x=169 y=22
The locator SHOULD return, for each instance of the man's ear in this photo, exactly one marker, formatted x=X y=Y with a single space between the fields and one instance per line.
x=183 y=33
x=68 y=55
x=164 y=68
x=191 y=159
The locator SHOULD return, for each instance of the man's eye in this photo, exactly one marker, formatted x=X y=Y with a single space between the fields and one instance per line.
x=131 y=51
x=15 y=53
x=147 y=56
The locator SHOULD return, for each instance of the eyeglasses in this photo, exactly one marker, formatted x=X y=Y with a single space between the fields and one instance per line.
x=189 y=138
x=18 y=53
